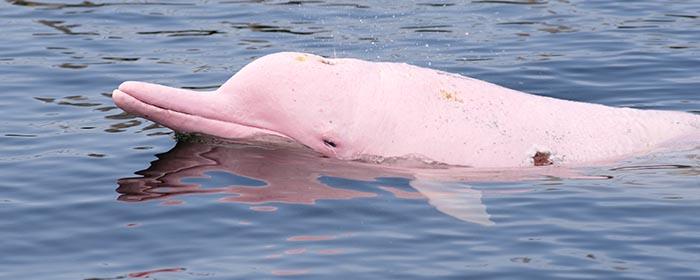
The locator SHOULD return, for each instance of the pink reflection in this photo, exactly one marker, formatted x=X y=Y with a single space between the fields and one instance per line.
x=291 y=175
x=295 y=251
x=263 y=208
x=399 y=193
x=311 y=238
x=289 y=272
x=273 y=256
x=148 y=273
x=172 y=202
x=330 y=251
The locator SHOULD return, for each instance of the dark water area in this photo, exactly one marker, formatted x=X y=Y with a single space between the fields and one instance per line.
x=90 y=192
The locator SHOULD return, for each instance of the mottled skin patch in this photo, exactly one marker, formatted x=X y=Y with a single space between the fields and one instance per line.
x=450 y=95
x=542 y=159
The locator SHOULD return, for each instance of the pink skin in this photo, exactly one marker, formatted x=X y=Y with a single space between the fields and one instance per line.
x=355 y=109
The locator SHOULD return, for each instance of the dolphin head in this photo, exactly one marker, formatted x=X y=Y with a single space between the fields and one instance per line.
x=304 y=97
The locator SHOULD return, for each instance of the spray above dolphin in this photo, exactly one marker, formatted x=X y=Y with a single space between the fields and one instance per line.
x=360 y=110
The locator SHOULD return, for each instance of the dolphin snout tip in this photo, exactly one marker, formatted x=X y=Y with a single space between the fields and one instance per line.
x=116 y=93
x=129 y=86
x=120 y=98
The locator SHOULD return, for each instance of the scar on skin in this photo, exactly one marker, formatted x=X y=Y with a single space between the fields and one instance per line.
x=326 y=61
x=450 y=95
x=542 y=159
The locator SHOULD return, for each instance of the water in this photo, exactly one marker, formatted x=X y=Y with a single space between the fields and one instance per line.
x=89 y=192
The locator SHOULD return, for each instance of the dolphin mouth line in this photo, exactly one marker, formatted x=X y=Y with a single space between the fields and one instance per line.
x=147 y=107
x=182 y=113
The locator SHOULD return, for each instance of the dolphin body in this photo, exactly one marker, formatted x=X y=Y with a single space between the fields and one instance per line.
x=377 y=111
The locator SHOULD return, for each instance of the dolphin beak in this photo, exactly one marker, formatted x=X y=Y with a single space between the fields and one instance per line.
x=182 y=110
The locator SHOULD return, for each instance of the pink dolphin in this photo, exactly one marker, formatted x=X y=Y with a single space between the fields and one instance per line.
x=374 y=111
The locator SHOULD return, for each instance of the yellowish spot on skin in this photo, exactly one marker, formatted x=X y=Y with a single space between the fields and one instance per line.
x=450 y=96
x=301 y=58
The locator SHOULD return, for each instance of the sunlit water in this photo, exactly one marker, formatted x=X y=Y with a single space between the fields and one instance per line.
x=89 y=192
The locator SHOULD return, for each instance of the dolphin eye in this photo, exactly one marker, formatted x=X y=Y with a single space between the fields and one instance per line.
x=329 y=143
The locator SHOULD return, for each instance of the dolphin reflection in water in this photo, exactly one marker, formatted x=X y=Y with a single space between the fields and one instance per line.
x=291 y=174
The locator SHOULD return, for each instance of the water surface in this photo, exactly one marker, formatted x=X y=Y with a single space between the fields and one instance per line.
x=89 y=192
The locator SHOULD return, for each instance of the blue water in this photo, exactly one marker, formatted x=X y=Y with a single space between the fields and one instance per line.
x=89 y=192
